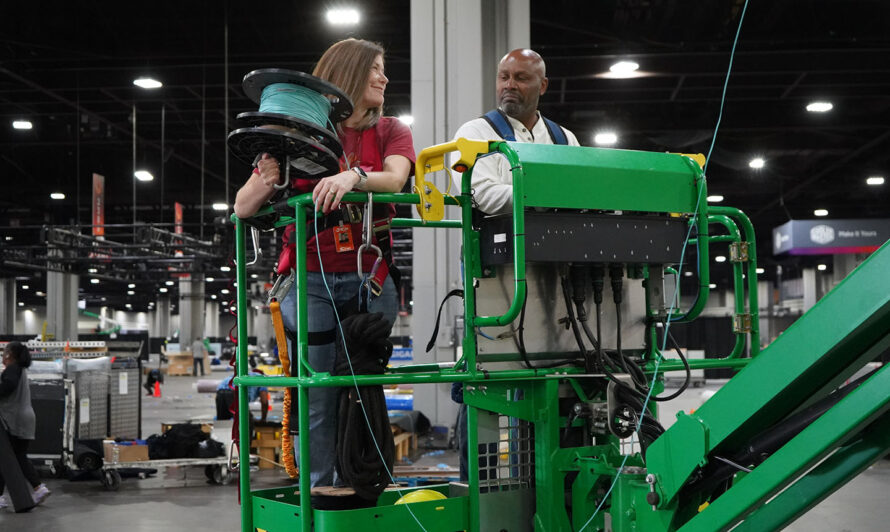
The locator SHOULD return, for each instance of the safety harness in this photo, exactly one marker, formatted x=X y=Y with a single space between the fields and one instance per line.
x=497 y=119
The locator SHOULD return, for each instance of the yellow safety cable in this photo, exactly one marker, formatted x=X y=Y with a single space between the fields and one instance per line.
x=287 y=443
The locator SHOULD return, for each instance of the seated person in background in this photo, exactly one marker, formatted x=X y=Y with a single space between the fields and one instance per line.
x=521 y=81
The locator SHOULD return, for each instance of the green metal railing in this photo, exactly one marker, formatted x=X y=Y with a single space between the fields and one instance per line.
x=466 y=369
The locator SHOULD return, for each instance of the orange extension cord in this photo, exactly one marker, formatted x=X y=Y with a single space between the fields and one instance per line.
x=287 y=443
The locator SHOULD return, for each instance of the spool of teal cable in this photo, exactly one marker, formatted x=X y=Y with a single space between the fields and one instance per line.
x=296 y=101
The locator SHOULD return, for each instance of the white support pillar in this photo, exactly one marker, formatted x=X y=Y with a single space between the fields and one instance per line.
x=810 y=296
x=7 y=305
x=211 y=319
x=455 y=48
x=191 y=309
x=61 y=305
x=162 y=317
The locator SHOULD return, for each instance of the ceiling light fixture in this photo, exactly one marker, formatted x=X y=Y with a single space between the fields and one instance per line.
x=220 y=207
x=209 y=279
x=131 y=293
x=712 y=285
x=225 y=269
x=819 y=107
x=821 y=212
x=94 y=281
x=25 y=287
x=144 y=175
x=131 y=285
x=168 y=283
x=874 y=181
x=162 y=290
x=822 y=267
x=57 y=195
x=716 y=198
x=22 y=124
x=224 y=291
x=756 y=162
x=147 y=83
x=719 y=258
x=343 y=17
x=605 y=139
x=760 y=270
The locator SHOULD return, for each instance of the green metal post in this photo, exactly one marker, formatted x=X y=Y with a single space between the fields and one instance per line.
x=241 y=370
x=473 y=466
x=303 y=357
x=704 y=276
x=738 y=285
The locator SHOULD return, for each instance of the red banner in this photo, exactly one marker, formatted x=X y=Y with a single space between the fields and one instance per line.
x=98 y=205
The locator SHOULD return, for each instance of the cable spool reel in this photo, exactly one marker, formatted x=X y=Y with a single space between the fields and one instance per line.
x=312 y=148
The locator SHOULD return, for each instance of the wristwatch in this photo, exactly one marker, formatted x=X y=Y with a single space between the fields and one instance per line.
x=362 y=177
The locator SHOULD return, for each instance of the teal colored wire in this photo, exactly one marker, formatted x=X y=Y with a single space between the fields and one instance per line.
x=296 y=101
x=679 y=271
x=351 y=371
x=725 y=85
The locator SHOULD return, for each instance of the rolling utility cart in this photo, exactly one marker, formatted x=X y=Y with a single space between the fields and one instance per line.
x=562 y=416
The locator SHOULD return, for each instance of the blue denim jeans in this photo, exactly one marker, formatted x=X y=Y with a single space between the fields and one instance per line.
x=321 y=317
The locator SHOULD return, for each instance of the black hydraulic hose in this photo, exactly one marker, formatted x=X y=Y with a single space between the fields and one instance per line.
x=760 y=447
x=685 y=366
x=571 y=317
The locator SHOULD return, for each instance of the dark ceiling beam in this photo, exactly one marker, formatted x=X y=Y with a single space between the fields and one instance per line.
x=800 y=185
x=105 y=121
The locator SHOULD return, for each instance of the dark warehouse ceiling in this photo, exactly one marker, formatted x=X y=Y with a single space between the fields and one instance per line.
x=68 y=68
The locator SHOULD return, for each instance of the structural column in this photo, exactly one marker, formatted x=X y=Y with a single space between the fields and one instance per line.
x=211 y=319
x=455 y=49
x=7 y=305
x=162 y=317
x=191 y=309
x=61 y=305
x=810 y=295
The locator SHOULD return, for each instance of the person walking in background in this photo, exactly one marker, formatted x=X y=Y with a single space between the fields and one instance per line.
x=18 y=420
x=198 y=356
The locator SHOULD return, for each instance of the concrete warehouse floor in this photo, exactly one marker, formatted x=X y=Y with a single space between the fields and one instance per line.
x=861 y=506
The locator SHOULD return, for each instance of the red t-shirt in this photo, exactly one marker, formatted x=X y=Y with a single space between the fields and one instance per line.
x=367 y=149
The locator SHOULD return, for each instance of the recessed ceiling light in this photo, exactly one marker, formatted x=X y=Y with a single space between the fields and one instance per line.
x=92 y=270
x=253 y=276
x=213 y=296
x=220 y=207
x=209 y=279
x=624 y=67
x=406 y=119
x=605 y=139
x=57 y=195
x=712 y=285
x=8 y=238
x=131 y=285
x=39 y=294
x=687 y=273
x=343 y=17
x=22 y=124
x=143 y=175
x=147 y=83
x=162 y=290
x=131 y=293
x=719 y=258
x=716 y=198
x=874 y=180
x=821 y=212
x=225 y=269
x=822 y=267
x=760 y=270
x=757 y=162
x=25 y=287
x=168 y=283
x=233 y=308
x=128 y=305
x=94 y=281
x=819 y=107
x=224 y=291
x=21 y=304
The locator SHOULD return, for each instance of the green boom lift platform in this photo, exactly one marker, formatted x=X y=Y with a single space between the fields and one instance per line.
x=564 y=439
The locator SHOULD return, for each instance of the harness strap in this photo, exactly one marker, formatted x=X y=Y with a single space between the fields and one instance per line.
x=498 y=121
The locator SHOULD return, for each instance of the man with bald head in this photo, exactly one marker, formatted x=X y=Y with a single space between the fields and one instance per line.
x=521 y=81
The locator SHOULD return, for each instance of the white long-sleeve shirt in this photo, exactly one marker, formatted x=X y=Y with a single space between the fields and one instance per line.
x=492 y=180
